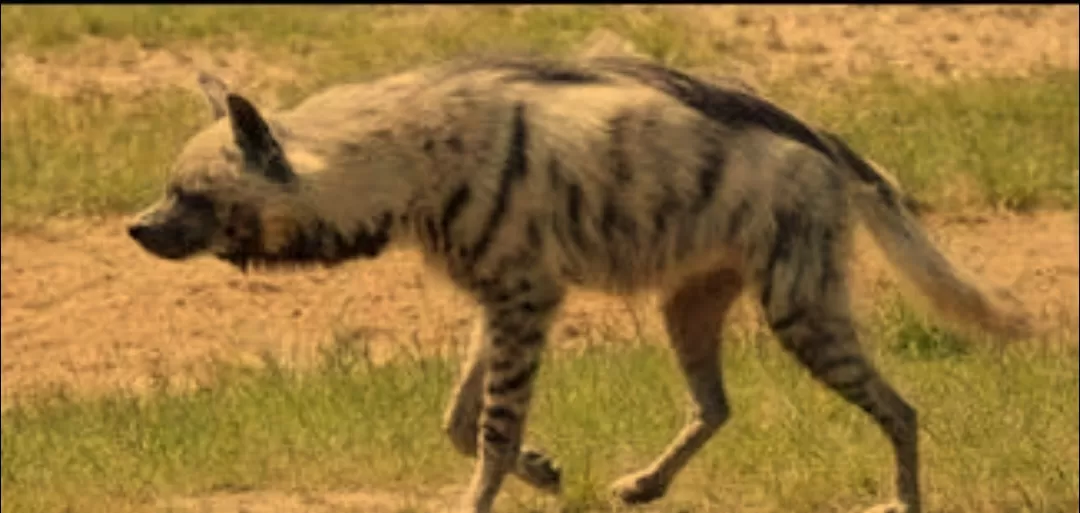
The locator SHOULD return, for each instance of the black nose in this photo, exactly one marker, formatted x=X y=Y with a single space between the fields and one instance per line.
x=137 y=231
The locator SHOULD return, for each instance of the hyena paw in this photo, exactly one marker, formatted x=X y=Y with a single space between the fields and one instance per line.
x=536 y=468
x=892 y=507
x=639 y=488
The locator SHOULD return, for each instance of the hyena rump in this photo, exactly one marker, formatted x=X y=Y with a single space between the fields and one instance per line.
x=521 y=178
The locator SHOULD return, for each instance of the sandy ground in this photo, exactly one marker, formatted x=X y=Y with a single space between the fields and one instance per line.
x=357 y=501
x=83 y=308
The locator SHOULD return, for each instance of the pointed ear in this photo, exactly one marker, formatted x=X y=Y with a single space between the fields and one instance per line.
x=215 y=90
x=256 y=141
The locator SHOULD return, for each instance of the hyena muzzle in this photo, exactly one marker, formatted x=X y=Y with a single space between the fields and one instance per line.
x=522 y=178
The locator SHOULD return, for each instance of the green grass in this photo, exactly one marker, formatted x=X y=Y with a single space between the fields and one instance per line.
x=1012 y=143
x=92 y=154
x=364 y=38
x=999 y=431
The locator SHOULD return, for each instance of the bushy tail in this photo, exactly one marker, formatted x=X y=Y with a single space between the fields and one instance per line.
x=951 y=291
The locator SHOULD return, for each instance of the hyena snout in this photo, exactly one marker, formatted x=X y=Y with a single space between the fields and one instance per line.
x=164 y=241
x=169 y=236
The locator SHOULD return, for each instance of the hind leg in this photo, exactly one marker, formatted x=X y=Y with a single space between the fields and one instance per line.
x=811 y=318
x=693 y=316
x=462 y=417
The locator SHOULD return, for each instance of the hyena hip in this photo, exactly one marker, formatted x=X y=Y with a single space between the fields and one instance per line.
x=800 y=281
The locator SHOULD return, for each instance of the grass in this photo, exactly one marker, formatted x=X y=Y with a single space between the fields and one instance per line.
x=1005 y=143
x=93 y=154
x=359 y=37
x=988 y=143
x=1012 y=143
x=999 y=431
x=335 y=42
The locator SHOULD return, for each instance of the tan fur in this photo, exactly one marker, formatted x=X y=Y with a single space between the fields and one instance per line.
x=694 y=316
x=520 y=179
x=952 y=292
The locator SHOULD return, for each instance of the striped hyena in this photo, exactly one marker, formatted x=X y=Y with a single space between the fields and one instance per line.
x=523 y=177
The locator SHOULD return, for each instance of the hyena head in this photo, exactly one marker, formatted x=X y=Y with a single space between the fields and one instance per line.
x=233 y=193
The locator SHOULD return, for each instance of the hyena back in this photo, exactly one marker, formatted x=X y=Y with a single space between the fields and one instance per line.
x=522 y=178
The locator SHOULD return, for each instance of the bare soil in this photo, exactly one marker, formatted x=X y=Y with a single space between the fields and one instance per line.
x=355 y=501
x=827 y=43
x=84 y=307
x=129 y=67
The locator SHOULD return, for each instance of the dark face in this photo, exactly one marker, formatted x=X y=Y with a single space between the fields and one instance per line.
x=248 y=218
x=187 y=222
x=180 y=226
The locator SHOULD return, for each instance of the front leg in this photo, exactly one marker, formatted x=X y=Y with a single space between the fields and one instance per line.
x=517 y=315
x=462 y=417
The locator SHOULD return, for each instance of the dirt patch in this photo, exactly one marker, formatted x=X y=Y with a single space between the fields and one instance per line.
x=764 y=44
x=128 y=66
x=359 y=501
x=85 y=308
x=927 y=42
